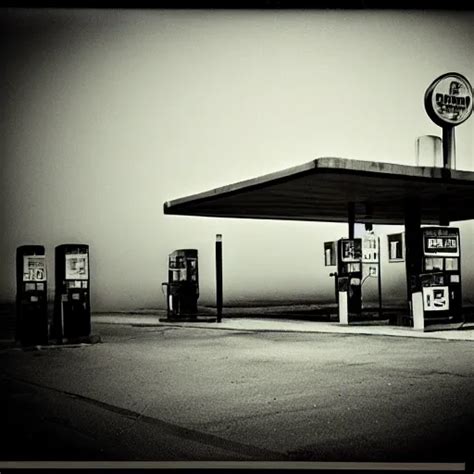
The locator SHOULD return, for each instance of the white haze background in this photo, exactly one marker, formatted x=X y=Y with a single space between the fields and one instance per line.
x=107 y=114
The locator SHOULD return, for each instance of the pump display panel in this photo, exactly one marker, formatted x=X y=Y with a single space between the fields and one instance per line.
x=370 y=249
x=77 y=266
x=441 y=242
x=441 y=249
x=351 y=250
x=34 y=268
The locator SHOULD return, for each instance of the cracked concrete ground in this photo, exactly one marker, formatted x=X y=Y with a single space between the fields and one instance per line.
x=183 y=393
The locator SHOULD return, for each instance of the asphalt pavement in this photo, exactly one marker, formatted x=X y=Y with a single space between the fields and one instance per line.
x=185 y=392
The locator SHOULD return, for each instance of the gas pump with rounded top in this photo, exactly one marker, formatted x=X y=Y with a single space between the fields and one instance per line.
x=356 y=260
x=349 y=278
x=72 y=312
x=31 y=298
x=182 y=288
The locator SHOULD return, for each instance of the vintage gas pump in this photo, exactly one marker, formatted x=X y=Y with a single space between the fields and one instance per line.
x=371 y=267
x=349 y=278
x=183 y=283
x=31 y=297
x=72 y=314
x=357 y=261
x=440 y=277
x=330 y=259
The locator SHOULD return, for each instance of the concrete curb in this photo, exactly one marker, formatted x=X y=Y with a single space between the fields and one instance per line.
x=286 y=326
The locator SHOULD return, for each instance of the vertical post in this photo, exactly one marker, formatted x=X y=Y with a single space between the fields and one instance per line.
x=219 y=277
x=413 y=251
x=449 y=163
x=351 y=219
x=449 y=148
x=368 y=228
x=379 y=277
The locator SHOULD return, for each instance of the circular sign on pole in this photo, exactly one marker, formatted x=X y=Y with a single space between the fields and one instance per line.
x=448 y=100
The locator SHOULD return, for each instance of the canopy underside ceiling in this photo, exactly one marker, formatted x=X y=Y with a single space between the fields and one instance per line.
x=323 y=190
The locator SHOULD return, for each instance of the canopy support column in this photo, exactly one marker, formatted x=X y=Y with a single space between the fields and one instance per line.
x=413 y=250
x=351 y=219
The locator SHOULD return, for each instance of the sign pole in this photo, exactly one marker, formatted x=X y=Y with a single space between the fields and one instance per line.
x=219 y=277
x=449 y=148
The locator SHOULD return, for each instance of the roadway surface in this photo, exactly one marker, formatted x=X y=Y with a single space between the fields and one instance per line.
x=194 y=394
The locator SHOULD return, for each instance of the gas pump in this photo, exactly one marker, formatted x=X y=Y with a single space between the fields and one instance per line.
x=357 y=261
x=440 y=277
x=349 y=270
x=349 y=278
x=371 y=268
x=183 y=283
x=31 y=296
x=72 y=314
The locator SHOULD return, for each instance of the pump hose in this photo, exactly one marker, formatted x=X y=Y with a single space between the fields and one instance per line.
x=363 y=281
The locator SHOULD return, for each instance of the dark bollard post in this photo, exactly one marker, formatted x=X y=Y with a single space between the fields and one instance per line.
x=219 y=277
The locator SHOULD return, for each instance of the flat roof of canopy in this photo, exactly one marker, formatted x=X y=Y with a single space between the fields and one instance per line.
x=322 y=190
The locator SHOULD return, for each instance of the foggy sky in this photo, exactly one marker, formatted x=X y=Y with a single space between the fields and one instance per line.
x=107 y=114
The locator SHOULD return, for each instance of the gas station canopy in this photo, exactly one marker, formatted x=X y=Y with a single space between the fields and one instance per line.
x=325 y=188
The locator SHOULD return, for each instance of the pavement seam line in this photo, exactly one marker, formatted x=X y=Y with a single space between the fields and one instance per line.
x=176 y=430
